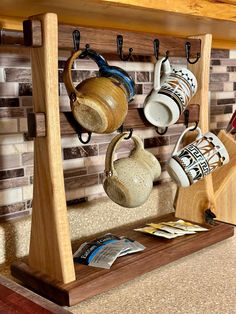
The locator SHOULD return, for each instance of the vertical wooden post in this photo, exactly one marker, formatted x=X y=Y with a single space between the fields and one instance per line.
x=224 y=181
x=50 y=245
x=191 y=202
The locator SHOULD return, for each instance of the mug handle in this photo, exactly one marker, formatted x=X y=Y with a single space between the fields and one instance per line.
x=109 y=167
x=67 y=77
x=176 y=148
x=158 y=80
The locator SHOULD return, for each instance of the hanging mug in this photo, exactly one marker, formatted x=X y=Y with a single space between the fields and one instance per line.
x=99 y=104
x=171 y=94
x=196 y=160
x=129 y=180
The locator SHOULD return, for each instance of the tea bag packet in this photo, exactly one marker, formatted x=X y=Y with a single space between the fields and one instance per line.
x=131 y=246
x=102 y=252
x=170 y=229
x=185 y=225
x=156 y=232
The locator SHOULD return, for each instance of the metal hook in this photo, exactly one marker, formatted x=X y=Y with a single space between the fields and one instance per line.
x=130 y=134
x=161 y=133
x=76 y=127
x=84 y=52
x=119 y=42
x=187 y=52
x=88 y=138
x=156 y=44
x=167 y=56
x=196 y=125
x=186 y=117
x=76 y=39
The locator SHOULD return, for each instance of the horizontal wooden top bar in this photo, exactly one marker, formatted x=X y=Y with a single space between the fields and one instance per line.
x=104 y=40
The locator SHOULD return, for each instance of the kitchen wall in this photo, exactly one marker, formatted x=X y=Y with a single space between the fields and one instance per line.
x=84 y=164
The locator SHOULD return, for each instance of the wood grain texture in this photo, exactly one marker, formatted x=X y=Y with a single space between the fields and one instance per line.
x=134 y=119
x=17 y=299
x=216 y=17
x=192 y=202
x=91 y=281
x=224 y=182
x=103 y=40
x=224 y=9
x=32 y=31
x=50 y=247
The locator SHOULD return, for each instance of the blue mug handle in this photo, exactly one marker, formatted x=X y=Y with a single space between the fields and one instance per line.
x=106 y=70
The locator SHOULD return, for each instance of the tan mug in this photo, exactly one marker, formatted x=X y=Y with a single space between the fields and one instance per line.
x=196 y=160
x=99 y=104
x=129 y=180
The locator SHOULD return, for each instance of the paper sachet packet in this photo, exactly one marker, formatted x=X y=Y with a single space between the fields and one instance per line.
x=156 y=232
x=185 y=225
x=131 y=246
x=102 y=252
x=170 y=229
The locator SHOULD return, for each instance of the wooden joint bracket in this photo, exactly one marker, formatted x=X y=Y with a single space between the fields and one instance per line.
x=32 y=30
x=36 y=125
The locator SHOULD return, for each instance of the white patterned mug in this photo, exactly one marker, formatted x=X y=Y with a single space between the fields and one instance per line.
x=171 y=94
x=196 y=160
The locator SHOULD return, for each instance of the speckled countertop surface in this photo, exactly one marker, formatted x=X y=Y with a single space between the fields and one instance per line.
x=203 y=282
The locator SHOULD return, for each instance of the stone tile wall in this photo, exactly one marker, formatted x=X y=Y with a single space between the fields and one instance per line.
x=84 y=164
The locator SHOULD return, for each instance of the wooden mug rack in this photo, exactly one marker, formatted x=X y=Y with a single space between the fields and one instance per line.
x=49 y=268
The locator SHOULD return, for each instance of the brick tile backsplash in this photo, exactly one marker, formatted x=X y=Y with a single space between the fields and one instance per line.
x=9 y=102
x=79 y=152
x=7 y=174
x=219 y=53
x=18 y=75
x=25 y=89
x=84 y=164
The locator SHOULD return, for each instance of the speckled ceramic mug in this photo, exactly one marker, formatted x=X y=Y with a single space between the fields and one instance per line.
x=129 y=180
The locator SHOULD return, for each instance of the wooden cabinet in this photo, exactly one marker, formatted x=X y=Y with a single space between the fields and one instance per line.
x=178 y=18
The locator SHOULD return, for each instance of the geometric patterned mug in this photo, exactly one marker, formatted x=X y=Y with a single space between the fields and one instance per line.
x=171 y=94
x=196 y=160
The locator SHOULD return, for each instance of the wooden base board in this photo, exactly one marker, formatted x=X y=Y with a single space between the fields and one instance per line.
x=91 y=281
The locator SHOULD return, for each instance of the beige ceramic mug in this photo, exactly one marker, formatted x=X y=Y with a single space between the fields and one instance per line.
x=129 y=180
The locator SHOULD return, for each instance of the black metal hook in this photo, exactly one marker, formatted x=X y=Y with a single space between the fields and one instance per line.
x=76 y=127
x=84 y=52
x=76 y=39
x=130 y=134
x=156 y=44
x=121 y=130
x=161 y=133
x=186 y=117
x=187 y=52
x=166 y=57
x=186 y=120
x=87 y=140
x=196 y=125
x=119 y=42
